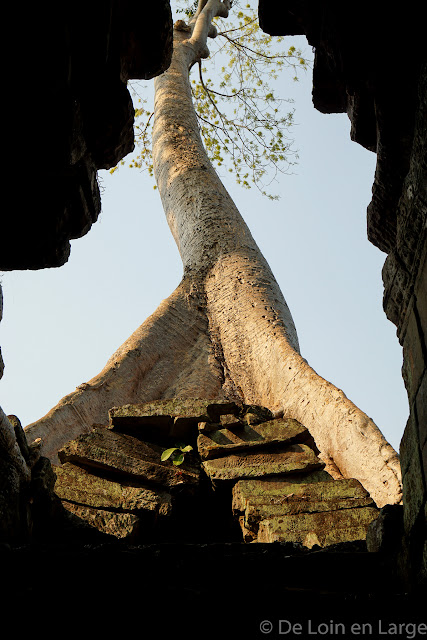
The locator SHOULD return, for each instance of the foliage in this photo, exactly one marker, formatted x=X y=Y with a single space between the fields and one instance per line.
x=244 y=124
x=189 y=8
x=176 y=453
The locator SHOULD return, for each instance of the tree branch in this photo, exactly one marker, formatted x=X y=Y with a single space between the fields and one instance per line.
x=201 y=6
x=202 y=29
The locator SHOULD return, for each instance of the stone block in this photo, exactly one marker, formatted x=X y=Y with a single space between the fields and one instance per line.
x=421 y=297
x=254 y=414
x=177 y=417
x=323 y=529
x=293 y=459
x=396 y=286
x=260 y=500
x=294 y=506
x=240 y=436
x=229 y=421
x=207 y=427
x=413 y=495
x=122 y=454
x=274 y=487
x=79 y=486
x=409 y=445
x=125 y=526
x=421 y=409
x=413 y=364
x=247 y=534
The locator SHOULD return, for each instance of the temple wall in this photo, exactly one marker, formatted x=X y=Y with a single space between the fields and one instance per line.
x=360 y=67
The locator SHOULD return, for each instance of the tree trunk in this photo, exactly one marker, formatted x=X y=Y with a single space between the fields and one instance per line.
x=226 y=332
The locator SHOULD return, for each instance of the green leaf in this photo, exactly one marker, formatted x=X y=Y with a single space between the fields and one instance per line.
x=167 y=453
x=248 y=61
x=187 y=448
x=178 y=459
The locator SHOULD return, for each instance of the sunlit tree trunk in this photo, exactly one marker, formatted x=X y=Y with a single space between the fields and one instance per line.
x=226 y=332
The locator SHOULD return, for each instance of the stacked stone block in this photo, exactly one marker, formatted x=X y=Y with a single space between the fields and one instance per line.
x=265 y=467
x=113 y=478
x=280 y=491
x=309 y=509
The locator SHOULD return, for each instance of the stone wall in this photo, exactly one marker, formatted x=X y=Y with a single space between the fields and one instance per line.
x=68 y=114
x=371 y=63
x=405 y=303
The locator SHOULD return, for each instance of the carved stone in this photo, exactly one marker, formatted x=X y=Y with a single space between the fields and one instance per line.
x=292 y=459
x=303 y=509
x=241 y=437
x=122 y=454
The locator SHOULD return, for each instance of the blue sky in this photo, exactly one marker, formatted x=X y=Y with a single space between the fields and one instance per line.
x=60 y=326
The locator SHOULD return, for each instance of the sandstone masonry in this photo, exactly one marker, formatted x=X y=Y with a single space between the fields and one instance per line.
x=264 y=471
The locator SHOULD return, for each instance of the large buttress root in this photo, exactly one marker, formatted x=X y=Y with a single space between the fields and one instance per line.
x=246 y=311
x=168 y=355
x=224 y=339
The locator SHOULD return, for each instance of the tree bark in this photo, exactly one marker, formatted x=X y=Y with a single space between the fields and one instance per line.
x=226 y=332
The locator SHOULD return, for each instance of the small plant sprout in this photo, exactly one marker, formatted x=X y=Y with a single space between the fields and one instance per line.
x=177 y=454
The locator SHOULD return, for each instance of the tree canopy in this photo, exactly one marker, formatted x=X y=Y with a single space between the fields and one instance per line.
x=244 y=124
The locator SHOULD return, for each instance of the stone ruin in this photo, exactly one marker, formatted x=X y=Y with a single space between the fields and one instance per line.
x=249 y=476
x=249 y=525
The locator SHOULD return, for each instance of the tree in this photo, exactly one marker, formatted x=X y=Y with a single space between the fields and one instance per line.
x=226 y=332
x=241 y=118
